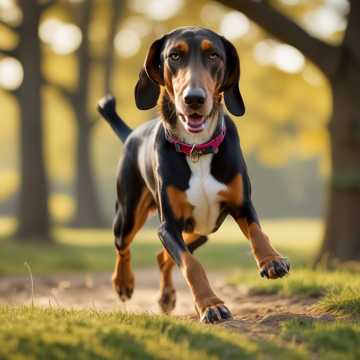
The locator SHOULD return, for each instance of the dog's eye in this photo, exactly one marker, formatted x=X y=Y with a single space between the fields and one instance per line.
x=213 y=56
x=175 y=56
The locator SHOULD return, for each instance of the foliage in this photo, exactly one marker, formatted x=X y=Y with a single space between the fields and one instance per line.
x=289 y=110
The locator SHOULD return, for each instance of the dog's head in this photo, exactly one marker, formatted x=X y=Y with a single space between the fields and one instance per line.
x=195 y=67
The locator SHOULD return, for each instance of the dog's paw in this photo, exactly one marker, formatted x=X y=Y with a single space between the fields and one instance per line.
x=167 y=300
x=124 y=286
x=215 y=314
x=275 y=268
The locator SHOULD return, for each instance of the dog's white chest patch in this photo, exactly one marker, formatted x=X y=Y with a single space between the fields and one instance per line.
x=203 y=195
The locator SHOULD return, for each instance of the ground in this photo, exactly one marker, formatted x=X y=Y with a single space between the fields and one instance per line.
x=93 y=291
x=309 y=314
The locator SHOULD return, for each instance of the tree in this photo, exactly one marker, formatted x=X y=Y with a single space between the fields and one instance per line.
x=341 y=66
x=33 y=214
x=87 y=203
x=116 y=7
x=88 y=212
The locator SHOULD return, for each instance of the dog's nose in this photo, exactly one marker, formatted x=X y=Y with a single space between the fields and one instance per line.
x=194 y=97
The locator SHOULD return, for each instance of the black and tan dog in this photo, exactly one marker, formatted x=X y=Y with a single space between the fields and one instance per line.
x=188 y=165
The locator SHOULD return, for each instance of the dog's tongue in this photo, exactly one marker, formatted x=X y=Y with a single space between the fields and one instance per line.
x=195 y=123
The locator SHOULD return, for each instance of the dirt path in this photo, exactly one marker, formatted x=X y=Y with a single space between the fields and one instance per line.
x=255 y=314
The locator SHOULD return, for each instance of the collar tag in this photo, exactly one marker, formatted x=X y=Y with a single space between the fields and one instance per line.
x=194 y=155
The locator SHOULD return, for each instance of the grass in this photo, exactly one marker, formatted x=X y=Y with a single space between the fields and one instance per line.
x=93 y=250
x=302 y=282
x=338 y=340
x=33 y=333
x=344 y=300
x=338 y=291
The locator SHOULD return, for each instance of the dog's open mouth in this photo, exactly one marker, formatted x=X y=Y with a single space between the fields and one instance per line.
x=194 y=123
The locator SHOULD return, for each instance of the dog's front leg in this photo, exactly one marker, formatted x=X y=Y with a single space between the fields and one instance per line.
x=210 y=308
x=270 y=263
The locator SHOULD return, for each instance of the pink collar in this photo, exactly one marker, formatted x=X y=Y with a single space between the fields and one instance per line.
x=196 y=150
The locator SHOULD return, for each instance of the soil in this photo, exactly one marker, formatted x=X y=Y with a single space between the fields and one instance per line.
x=254 y=314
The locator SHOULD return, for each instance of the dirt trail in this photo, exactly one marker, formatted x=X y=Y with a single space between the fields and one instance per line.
x=255 y=314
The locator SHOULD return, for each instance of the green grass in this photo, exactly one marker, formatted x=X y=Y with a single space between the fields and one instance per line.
x=344 y=300
x=93 y=250
x=338 y=340
x=338 y=291
x=31 y=333
x=54 y=333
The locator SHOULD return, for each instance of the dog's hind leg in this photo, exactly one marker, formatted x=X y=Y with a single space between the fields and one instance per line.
x=132 y=208
x=167 y=300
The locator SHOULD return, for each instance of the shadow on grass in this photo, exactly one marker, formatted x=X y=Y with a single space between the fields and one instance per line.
x=215 y=345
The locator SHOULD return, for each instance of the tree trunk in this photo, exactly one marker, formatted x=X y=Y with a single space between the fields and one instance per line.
x=341 y=65
x=116 y=9
x=33 y=215
x=342 y=234
x=88 y=209
x=88 y=213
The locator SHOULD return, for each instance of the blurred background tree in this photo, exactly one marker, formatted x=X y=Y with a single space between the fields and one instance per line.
x=32 y=209
x=340 y=64
x=88 y=212
x=288 y=99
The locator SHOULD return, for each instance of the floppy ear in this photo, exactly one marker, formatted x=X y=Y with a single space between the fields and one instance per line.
x=147 y=89
x=232 y=97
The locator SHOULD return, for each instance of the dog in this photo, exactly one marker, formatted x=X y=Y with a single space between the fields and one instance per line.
x=187 y=165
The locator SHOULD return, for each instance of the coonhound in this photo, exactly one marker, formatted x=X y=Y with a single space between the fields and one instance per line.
x=187 y=165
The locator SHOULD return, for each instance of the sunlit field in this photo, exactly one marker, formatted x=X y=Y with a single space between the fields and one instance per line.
x=58 y=333
x=93 y=250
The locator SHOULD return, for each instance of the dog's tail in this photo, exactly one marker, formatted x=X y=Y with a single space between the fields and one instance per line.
x=106 y=107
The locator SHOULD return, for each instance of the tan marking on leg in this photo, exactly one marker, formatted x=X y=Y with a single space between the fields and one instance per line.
x=260 y=243
x=123 y=277
x=261 y=246
x=234 y=192
x=141 y=213
x=198 y=282
x=181 y=208
x=166 y=263
x=190 y=237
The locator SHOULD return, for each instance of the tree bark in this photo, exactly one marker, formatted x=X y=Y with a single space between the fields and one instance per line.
x=116 y=6
x=342 y=234
x=88 y=209
x=33 y=214
x=88 y=212
x=341 y=65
